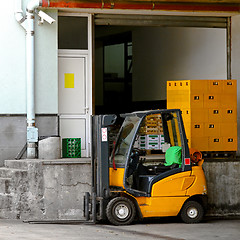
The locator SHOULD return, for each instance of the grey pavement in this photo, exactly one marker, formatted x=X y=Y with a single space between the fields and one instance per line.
x=157 y=229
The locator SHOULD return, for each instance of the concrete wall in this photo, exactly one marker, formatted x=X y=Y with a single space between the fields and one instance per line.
x=64 y=188
x=44 y=190
x=223 y=183
x=13 y=133
x=12 y=64
x=162 y=54
x=54 y=189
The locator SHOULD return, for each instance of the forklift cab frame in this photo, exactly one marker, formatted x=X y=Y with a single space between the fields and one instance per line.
x=126 y=187
x=126 y=156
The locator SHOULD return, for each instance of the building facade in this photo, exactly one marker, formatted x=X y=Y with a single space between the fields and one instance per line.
x=98 y=57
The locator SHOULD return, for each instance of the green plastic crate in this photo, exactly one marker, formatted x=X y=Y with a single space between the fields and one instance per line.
x=71 y=147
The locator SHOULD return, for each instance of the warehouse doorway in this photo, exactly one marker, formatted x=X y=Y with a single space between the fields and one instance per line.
x=116 y=70
x=162 y=48
x=75 y=79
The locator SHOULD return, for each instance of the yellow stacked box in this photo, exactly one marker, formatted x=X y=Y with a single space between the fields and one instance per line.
x=152 y=125
x=209 y=110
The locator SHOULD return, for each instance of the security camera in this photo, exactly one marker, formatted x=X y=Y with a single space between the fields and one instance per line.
x=44 y=17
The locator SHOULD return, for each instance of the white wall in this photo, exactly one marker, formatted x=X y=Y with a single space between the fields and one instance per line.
x=47 y=66
x=161 y=54
x=12 y=64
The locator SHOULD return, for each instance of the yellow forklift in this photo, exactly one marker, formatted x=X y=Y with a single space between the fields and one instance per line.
x=133 y=182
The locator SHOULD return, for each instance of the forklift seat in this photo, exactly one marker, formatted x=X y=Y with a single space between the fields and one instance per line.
x=146 y=181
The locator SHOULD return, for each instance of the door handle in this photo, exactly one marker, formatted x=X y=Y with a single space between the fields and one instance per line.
x=86 y=109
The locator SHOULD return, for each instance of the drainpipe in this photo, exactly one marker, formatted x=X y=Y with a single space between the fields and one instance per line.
x=27 y=22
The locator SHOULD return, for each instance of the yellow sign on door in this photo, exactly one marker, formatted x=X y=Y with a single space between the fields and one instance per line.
x=69 y=80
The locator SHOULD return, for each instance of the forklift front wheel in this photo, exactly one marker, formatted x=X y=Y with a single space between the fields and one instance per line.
x=120 y=211
x=192 y=212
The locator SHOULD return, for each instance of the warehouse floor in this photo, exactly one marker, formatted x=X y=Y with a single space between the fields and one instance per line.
x=164 y=228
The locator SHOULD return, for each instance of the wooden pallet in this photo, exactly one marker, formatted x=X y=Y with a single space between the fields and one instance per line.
x=218 y=155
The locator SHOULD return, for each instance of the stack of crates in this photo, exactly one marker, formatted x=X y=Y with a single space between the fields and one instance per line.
x=152 y=125
x=151 y=142
x=151 y=137
x=209 y=111
x=71 y=147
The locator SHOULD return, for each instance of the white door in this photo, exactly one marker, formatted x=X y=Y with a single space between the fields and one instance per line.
x=73 y=103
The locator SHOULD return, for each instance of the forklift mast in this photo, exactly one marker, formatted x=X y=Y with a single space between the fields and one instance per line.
x=100 y=162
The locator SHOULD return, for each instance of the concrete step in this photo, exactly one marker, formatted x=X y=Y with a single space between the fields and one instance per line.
x=5 y=200
x=12 y=173
x=6 y=204
x=17 y=164
x=4 y=185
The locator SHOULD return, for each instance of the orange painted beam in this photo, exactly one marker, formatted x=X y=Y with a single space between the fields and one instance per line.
x=142 y=5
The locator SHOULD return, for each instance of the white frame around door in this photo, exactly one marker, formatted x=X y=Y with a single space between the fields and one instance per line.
x=87 y=55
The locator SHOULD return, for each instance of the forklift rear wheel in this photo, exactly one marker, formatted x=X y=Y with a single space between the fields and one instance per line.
x=192 y=212
x=120 y=211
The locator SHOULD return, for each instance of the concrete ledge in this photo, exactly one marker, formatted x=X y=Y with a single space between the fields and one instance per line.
x=54 y=189
x=46 y=189
x=223 y=181
x=67 y=161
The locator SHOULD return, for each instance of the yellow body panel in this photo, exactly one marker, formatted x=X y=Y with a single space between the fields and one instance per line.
x=160 y=206
x=174 y=185
x=116 y=177
x=178 y=133
x=169 y=124
x=199 y=186
x=169 y=194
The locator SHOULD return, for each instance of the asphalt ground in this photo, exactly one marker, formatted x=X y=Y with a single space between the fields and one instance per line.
x=165 y=228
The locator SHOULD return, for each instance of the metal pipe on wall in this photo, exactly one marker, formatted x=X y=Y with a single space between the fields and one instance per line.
x=27 y=22
x=32 y=131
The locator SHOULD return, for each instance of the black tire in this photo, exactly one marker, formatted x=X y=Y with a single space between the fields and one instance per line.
x=120 y=211
x=192 y=212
